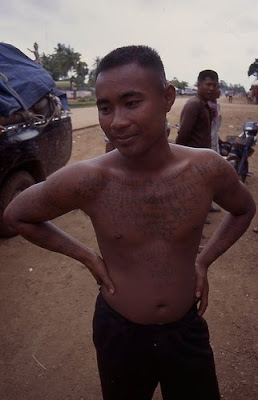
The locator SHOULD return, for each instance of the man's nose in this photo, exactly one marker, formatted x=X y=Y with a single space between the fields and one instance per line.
x=119 y=120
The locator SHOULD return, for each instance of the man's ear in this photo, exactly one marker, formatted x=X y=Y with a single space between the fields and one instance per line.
x=170 y=95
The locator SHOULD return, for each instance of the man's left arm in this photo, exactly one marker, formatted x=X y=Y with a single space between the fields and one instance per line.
x=233 y=196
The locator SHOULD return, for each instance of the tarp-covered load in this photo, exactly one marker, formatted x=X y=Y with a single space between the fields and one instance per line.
x=24 y=84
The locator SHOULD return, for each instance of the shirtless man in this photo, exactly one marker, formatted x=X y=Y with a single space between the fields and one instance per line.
x=110 y=146
x=147 y=201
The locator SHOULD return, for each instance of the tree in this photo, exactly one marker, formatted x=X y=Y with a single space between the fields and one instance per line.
x=236 y=88
x=51 y=65
x=223 y=85
x=81 y=72
x=253 y=69
x=65 y=61
x=92 y=77
x=179 y=85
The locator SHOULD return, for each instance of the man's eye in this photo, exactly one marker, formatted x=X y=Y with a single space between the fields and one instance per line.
x=132 y=103
x=104 y=110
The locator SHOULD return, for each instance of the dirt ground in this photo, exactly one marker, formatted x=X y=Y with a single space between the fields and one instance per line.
x=47 y=300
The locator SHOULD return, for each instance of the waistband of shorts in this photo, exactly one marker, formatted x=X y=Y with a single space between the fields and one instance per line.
x=187 y=317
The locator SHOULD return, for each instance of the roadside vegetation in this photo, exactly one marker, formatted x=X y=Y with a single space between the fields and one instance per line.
x=70 y=72
x=82 y=102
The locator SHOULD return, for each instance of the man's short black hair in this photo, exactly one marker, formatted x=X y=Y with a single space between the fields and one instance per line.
x=207 y=73
x=145 y=56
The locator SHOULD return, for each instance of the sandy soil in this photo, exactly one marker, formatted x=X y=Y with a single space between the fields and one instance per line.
x=47 y=301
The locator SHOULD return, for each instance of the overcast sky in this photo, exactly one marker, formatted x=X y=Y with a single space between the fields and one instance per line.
x=190 y=35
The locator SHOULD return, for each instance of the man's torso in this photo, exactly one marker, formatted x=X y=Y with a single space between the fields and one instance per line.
x=148 y=228
x=199 y=134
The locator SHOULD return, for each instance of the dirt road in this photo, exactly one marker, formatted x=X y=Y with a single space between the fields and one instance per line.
x=47 y=300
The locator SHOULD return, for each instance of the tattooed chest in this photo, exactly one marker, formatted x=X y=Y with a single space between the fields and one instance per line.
x=158 y=211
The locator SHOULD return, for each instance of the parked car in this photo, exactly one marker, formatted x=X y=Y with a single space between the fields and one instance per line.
x=188 y=91
x=35 y=126
x=29 y=155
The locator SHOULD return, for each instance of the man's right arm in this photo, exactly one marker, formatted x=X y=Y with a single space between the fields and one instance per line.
x=188 y=119
x=29 y=214
x=233 y=197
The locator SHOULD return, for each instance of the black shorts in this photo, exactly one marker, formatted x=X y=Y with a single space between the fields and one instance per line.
x=134 y=358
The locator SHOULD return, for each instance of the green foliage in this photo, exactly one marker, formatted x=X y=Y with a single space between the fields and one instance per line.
x=237 y=88
x=63 y=85
x=91 y=81
x=85 y=102
x=223 y=85
x=81 y=72
x=63 y=62
x=179 y=85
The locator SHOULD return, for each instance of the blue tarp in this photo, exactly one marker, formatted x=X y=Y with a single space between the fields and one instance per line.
x=29 y=79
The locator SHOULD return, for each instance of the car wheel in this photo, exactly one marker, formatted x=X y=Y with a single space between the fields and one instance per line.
x=14 y=185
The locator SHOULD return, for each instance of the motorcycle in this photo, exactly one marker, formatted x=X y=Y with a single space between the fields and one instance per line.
x=238 y=149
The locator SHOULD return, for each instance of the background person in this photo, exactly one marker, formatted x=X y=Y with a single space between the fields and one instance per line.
x=215 y=125
x=195 y=119
x=216 y=121
x=196 y=127
x=230 y=96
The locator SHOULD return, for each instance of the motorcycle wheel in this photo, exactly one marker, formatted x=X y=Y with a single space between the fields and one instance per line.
x=234 y=163
x=243 y=170
x=242 y=178
x=13 y=186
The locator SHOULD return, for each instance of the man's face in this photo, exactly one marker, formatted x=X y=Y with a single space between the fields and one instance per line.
x=132 y=106
x=208 y=89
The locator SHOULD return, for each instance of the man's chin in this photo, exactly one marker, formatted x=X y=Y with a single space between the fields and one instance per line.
x=129 y=151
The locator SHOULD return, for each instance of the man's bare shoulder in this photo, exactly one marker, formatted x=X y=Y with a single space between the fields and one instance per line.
x=192 y=152
x=78 y=184
x=207 y=162
x=94 y=166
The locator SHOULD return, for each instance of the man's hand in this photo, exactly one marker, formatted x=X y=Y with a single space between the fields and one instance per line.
x=99 y=270
x=202 y=288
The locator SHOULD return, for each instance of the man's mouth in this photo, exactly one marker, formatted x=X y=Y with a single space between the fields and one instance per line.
x=124 y=139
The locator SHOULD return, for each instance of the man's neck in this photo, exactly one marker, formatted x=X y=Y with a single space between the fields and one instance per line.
x=156 y=158
x=202 y=98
